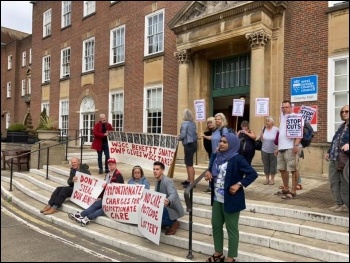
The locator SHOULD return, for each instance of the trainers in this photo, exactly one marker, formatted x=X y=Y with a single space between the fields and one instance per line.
x=334 y=207
x=84 y=221
x=185 y=182
x=341 y=208
x=100 y=171
x=75 y=216
x=208 y=191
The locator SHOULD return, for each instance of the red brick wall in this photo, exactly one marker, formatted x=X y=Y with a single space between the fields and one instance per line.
x=306 y=53
x=98 y=26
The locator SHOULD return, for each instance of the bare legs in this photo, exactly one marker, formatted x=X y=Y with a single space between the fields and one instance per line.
x=190 y=173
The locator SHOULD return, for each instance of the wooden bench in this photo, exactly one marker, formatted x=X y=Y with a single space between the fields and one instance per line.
x=6 y=156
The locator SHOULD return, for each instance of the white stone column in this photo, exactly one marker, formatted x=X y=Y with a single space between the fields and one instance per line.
x=257 y=40
x=184 y=59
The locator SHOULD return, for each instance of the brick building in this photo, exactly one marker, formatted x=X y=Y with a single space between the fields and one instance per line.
x=142 y=63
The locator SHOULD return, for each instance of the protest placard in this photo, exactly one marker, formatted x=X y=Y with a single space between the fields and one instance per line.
x=151 y=214
x=262 y=106
x=199 y=106
x=120 y=202
x=86 y=189
x=309 y=114
x=294 y=123
x=238 y=107
x=157 y=147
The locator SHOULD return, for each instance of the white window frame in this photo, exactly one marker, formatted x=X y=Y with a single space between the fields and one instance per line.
x=47 y=17
x=117 y=45
x=8 y=89
x=65 y=62
x=333 y=117
x=89 y=7
x=30 y=56
x=333 y=3
x=46 y=68
x=155 y=35
x=29 y=90
x=46 y=105
x=88 y=55
x=64 y=117
x=153 y=102
x=8 y=120
x=9 y=62
x=24 y=60
x=116 y=105
x=66 y=18
x=24 y=87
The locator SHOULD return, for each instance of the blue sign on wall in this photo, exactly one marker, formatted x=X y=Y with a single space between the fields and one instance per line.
x=304 y=88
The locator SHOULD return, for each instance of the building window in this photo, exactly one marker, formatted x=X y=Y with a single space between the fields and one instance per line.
x=64 y=112
x=88 y=54
x=24 y=87
x=9 y=62
x=117 y=111
x=8 y=90
x=154 y=32
x=65 y=62
x=231 y=73
x=117 y=45
x=29 y=86
x=154 y=106
x=338 y=91
x=89 y=7
x=46 y=68
x=46 y=105
x=47 y=23
x=8 y=120
x=24 y=54
x=66 y=13
x=30 y=56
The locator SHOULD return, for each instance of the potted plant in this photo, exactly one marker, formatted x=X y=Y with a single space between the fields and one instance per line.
x=47 y=129
x=16 y=132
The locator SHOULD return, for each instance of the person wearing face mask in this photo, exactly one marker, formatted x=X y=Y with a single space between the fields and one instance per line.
x=340 y=143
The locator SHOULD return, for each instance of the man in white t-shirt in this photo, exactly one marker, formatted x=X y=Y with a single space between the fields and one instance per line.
x=287 y=154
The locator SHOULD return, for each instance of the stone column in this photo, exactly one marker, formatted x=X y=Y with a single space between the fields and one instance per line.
x=257 y=40
x=184 y=58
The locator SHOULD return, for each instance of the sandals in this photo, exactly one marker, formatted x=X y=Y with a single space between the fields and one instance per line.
x=299 y=187
x=219 y=258
x=266 y=182
x=289 y=196
x=282 y=192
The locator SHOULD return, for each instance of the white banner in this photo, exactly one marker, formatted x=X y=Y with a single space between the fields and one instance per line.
x=120 y=202
x=151 y=214
x=86 y=190
x=142 y=148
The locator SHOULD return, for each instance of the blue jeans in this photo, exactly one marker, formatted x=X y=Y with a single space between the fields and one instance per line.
x=94 y=211
x=166 y=221
x=105 y=150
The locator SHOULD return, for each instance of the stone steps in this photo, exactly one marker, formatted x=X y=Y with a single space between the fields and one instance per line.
x=268 y=233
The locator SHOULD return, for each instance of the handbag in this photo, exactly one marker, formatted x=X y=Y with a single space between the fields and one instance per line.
x=258 y=142
x=341 y=160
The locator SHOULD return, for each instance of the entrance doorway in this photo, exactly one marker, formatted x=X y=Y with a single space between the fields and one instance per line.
x=87 y=119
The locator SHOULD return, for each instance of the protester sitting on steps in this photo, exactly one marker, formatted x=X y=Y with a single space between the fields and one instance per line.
x=173 y=208
x=62 y=192
x=138 y=177
x=95 y=210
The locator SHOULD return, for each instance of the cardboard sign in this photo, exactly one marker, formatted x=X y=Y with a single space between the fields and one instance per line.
x=199 y=106
x=86 y=190
x=294 y=127
x=151 y=214
x=120 y=202
x=238 y=107
x=309 y=114
x=262 y=107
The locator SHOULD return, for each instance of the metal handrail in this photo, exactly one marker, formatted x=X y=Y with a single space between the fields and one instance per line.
x=188 y=195
x=48 y=152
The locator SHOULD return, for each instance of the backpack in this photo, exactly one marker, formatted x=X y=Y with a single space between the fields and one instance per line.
x=229 y=130
x=308 y=134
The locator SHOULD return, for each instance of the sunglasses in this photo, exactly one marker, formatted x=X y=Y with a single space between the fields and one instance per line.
x=344 y=111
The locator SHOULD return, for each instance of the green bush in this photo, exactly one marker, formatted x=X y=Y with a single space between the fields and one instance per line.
x=17 y=126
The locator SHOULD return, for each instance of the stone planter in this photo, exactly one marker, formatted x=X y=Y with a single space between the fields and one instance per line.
x=17 y=136
x=47 y=135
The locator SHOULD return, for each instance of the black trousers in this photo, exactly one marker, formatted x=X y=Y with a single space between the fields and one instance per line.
x=60 y=194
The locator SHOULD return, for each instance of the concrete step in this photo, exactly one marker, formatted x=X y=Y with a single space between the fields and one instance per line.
x=255 y=231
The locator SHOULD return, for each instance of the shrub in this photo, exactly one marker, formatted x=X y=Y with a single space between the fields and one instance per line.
x=17 y=126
